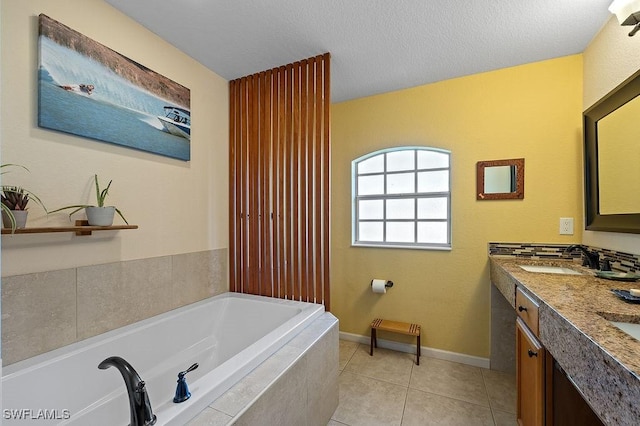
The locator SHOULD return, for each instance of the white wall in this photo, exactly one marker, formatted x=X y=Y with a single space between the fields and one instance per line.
x=180 y=207
x=611 y=58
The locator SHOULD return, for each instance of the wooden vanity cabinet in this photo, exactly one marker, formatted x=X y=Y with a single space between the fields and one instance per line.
x=530 y=363
x=546 y=395
x=530 y=377
x=569 y=407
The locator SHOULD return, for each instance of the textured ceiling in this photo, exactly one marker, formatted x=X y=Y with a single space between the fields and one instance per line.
x=376 y=46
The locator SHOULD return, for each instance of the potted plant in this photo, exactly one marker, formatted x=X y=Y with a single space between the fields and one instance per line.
x=99 y=215
x=14 y=200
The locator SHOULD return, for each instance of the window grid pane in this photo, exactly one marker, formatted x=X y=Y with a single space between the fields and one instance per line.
x=400 y=161
x=371 y=165
x=403 y=199
x=400 y=232
x=402 y=208
x=401 y=183
x=432 y=160
x=433 y=181
x=432 y=208
x=371 y=231
x=371 y=209
x=371 y=185
x=432 y=232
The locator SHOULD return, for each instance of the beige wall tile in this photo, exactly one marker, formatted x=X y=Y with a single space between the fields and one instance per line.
x=48 y=310
x=316 y=330
x=116 y=294
x=250 y=387
x=283 y=403
x=316 y=347
x=322 y=379
x=38 y=313
x=197 y=276
x=220 y=263
x=210 y=417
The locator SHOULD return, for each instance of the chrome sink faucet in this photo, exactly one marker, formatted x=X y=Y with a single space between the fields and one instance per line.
x=139 y=405
x=590 y=258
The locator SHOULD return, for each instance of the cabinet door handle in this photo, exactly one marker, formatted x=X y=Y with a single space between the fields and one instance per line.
x=521 y=308
x=532 y=353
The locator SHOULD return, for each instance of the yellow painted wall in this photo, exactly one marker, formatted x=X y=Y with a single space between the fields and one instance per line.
x=531 y=111
x=180 y=207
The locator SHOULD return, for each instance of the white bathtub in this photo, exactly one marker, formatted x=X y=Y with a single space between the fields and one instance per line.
x=228 y=335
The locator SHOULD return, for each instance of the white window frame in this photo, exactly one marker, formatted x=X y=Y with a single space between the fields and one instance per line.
x=412 y=195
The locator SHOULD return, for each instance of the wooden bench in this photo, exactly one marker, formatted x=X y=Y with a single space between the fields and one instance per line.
x=394 y=327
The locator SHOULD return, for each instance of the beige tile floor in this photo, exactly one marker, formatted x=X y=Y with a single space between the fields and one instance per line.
x=389 y=389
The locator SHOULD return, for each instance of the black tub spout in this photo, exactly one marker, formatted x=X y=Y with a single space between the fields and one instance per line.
x=139 y=405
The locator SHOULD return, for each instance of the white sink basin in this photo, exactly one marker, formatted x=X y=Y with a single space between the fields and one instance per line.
x=549 y=269
x=632 y=330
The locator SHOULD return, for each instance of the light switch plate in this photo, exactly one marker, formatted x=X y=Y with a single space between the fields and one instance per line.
x=566 y=226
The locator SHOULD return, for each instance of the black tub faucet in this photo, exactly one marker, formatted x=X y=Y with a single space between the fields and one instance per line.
x=140 y=407
x=590 y=258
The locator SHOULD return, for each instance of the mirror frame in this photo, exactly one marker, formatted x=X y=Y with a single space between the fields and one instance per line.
x=594 y=221
x=518 y=194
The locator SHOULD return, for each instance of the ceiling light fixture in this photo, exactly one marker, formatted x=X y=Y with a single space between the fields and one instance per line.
x=627 y=12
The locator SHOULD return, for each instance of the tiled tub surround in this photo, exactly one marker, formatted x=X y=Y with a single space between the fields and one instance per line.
x=603 y=361
x=47 y=310
x=298 y=385
x=230 y=335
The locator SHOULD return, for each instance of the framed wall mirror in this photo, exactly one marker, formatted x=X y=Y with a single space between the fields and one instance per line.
x=611 y=154
x=500 y=179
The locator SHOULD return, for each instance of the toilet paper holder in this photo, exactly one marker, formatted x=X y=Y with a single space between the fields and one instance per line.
x=387 y=284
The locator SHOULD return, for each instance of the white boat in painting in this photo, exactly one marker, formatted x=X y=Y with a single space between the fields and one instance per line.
x=177 y=121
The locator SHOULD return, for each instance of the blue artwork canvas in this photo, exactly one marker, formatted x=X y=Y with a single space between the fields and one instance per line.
x=90 y=90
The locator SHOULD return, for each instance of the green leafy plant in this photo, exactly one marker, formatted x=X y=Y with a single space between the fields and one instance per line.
x=101 y=195
x=15 y=198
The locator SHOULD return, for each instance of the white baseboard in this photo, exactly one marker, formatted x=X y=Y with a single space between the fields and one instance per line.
x=475 y=361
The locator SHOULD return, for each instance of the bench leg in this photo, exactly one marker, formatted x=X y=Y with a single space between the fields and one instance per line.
x=418 y=351
x=373 y=341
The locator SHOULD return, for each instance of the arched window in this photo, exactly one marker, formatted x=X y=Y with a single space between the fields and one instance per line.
x=402 y=198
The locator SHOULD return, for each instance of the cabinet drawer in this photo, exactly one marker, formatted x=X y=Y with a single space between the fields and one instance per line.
x=527 y=309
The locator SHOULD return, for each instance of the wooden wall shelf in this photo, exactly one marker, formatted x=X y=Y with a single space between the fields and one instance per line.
x=81 y=228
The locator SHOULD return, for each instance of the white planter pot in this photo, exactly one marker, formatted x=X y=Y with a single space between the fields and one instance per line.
x=20 y=217
x=100 y=216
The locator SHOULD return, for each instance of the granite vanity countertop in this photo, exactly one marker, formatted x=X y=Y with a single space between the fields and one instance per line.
x=574 y=315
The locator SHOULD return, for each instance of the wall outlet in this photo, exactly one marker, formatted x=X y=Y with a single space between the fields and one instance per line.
x=566 y=226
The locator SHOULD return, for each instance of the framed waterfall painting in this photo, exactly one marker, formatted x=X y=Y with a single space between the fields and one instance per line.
x=89 y=90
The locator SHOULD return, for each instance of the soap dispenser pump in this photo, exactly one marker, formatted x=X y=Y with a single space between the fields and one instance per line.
x=182 y=391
